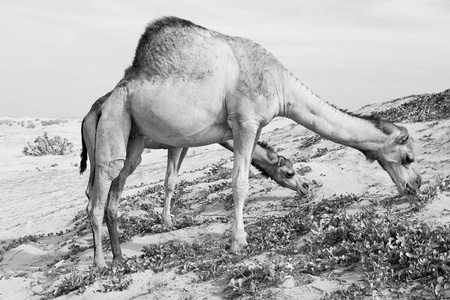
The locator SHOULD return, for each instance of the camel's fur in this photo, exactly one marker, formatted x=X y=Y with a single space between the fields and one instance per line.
x=190 y=86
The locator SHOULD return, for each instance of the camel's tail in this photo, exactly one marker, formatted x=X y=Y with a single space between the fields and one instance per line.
x=92 y=118
x=83 y=155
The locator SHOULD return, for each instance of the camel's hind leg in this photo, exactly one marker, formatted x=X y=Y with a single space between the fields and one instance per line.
x=134 y=150
x=113 y=131
x=89 y=131
x=175 y=157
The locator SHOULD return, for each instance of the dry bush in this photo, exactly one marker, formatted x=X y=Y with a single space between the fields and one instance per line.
x=44 y=145
x=53 y=122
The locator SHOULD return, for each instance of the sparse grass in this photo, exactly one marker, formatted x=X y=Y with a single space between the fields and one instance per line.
x=314 y=239
x=309 y=240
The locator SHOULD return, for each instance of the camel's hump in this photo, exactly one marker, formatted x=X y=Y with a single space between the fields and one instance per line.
x=154 y=31
x=155 y=26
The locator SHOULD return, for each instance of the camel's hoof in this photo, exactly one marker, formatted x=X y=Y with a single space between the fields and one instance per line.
x=167 y=224
x=117 y=261
x=100 y=266
x=237 y=246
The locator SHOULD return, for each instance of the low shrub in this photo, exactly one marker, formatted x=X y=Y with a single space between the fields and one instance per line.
x=52 y=122
x=320 y=152
x=303 y=170
x=44 y=145
x=6 y=122
x=309 y=141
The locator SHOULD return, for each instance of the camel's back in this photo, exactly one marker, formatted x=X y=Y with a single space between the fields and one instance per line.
x=173 y=47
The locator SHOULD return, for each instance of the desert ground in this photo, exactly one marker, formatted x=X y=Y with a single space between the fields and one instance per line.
x=353 y=237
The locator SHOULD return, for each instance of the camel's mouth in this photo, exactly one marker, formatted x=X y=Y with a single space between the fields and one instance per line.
x=410 y=191
x=407 y=180
x=409 y=188
x=302 y=188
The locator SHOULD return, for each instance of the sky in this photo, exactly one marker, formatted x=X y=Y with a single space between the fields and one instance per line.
x=58 y=57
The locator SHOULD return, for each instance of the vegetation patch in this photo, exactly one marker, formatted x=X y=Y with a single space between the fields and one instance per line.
x=53 y=122
x=320 y=152
x=304 y=170
x=309 y=141
x=313 y=239
x=108 y=280
x=217 y=172
x=301 y=158
x=423 y=108
x=17 y=242
x=7 y=122
x=308 y=240
x=44 y=145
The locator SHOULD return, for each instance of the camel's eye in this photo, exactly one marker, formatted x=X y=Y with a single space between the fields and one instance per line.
x=290 y=174
x=402 y=139
x=408 y=159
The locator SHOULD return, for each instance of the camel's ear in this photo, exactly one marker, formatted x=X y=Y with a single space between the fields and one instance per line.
x=402 y=138
x=281 y=161
x=272 y=156
x=387 y=128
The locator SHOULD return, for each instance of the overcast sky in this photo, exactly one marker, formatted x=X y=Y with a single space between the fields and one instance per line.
x=58 y=57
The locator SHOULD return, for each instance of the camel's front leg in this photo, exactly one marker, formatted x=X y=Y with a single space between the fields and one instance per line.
x=134 y=150
x=113 y=131
x=175 y=157
x=245 y=136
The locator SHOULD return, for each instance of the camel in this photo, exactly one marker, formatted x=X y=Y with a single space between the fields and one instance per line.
x=190 y=86
x=265 y=159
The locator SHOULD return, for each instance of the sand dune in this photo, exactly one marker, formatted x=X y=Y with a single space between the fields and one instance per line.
x=43 y=195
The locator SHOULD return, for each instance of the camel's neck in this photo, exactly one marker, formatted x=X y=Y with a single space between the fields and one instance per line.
x=307 y=109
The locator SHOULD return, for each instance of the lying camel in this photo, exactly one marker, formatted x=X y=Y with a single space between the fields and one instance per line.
x=265 y=159
x=190 y=86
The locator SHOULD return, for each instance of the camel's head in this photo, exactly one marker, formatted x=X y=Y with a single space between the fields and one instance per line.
x=286 y=176
x=283 y=172
x=397 y=158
